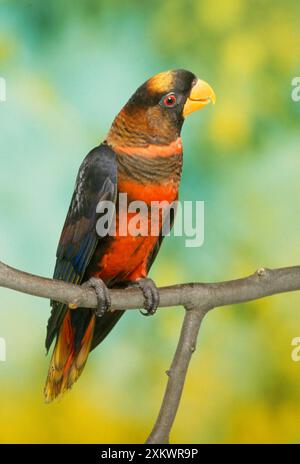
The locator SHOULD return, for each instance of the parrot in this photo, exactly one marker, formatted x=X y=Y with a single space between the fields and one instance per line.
x=141 y=157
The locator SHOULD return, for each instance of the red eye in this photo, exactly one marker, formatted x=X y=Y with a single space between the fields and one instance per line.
x=170 y=100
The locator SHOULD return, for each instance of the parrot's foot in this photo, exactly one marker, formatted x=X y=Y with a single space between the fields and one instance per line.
x=102 y=292
x=151 y=295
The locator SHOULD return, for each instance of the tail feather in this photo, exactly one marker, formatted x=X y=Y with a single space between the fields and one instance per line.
x=69 y=357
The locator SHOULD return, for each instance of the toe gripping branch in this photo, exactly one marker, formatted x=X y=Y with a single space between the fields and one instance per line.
x=102 y=293
x=151 y=295
x=146 y=285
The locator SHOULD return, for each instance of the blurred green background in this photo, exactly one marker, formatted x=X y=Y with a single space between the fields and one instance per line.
x=69 y=67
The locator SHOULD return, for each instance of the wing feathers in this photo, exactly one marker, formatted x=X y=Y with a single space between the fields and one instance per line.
x=96 y=181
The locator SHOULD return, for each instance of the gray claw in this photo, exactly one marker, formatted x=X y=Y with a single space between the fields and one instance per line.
x=151 y=295
x=102 y=292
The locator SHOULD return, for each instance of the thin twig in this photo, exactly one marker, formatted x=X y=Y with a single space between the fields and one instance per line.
x=177 y=375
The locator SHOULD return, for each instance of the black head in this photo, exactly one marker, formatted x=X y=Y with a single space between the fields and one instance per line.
x=156 y=111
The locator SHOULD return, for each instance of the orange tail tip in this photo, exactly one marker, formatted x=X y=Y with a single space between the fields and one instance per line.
x=67 y=364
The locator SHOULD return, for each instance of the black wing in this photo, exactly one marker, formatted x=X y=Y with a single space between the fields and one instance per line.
x=96 y=181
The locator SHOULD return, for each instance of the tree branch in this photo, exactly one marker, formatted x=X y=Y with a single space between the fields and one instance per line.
x=262 y=283
x=177 y=374
x=197 y=298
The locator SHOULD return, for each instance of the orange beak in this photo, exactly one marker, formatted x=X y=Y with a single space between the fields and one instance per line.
x=201 y=94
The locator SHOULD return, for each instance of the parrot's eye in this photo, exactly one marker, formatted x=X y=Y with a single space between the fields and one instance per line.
x=169 y=100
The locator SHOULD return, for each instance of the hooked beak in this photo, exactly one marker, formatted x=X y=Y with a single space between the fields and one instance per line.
x=201 y=94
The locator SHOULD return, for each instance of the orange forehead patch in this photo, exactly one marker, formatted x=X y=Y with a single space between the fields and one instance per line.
x=161 y=82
